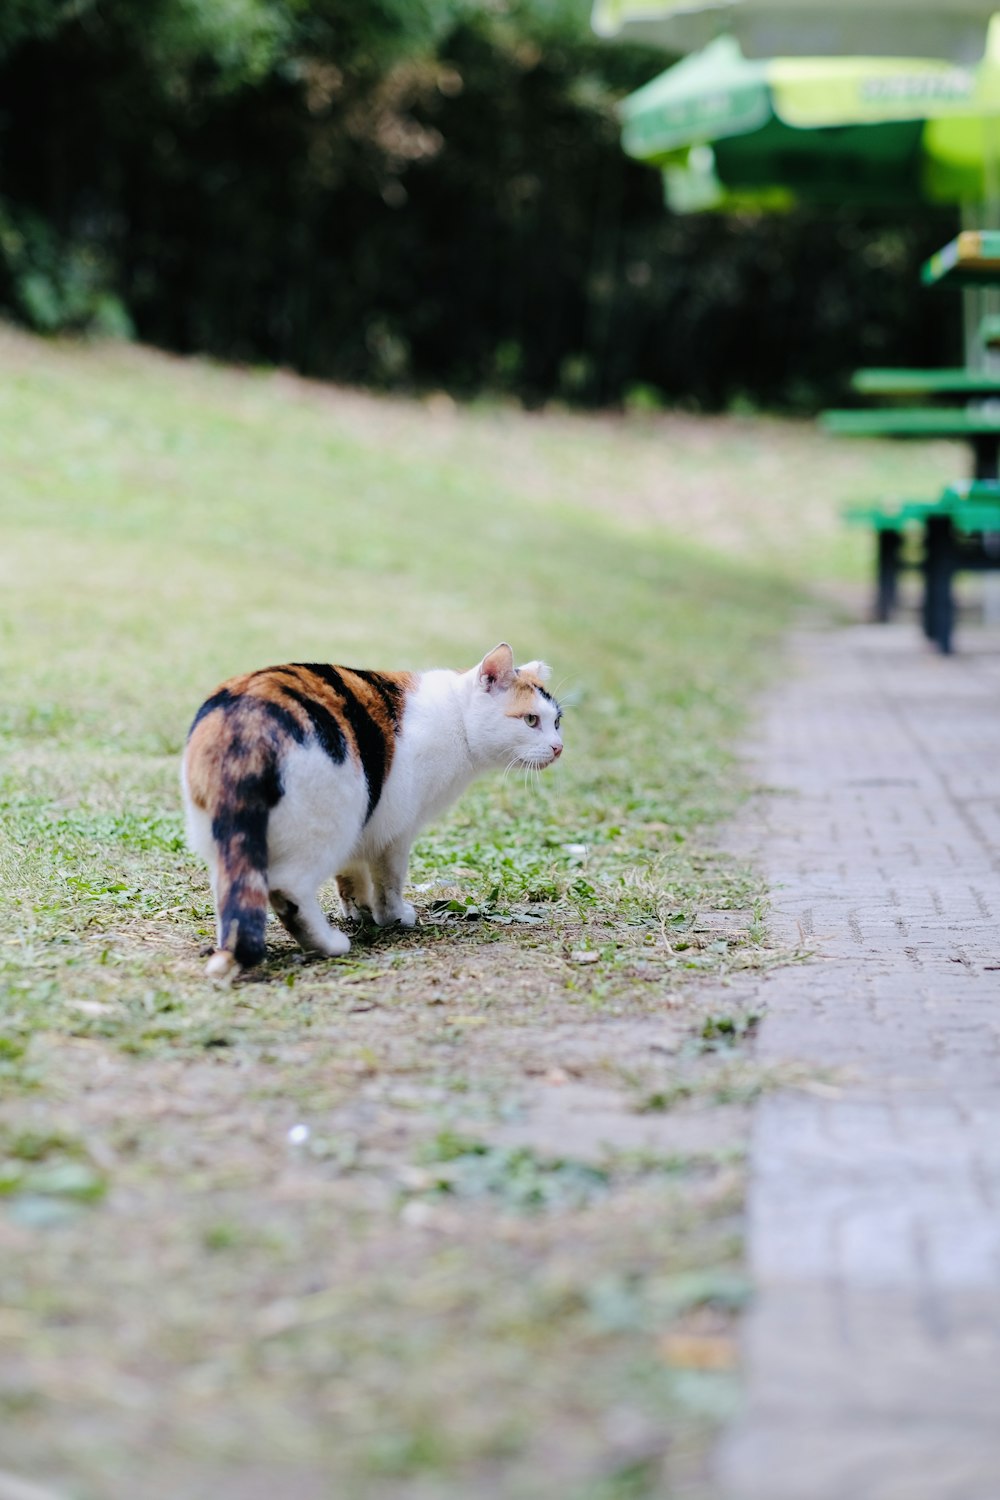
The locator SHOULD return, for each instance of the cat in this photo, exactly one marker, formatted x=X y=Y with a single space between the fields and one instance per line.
x=297 y=773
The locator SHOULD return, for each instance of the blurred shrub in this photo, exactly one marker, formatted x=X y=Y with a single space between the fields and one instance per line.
x=412 y=192
x=55 y=286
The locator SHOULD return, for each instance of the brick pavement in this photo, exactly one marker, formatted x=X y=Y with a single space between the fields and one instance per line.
x=873 y=1351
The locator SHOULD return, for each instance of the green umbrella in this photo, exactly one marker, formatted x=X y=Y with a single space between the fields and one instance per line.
x=953 y=30
x=819 y=129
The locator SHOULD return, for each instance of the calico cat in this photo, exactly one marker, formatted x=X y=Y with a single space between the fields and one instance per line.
x=297 y=773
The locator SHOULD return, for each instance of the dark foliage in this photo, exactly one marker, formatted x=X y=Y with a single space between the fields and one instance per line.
x=404 y=193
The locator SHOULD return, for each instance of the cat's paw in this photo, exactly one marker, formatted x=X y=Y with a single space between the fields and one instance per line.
x=222 y=966
x=331 y=944
x=395 y=912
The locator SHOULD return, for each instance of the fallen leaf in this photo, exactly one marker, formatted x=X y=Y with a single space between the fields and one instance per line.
x=699 y=1351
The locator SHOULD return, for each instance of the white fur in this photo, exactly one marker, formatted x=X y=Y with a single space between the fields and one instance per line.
x=455 y=728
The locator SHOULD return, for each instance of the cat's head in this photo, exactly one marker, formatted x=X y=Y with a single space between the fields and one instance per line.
x=512 y=719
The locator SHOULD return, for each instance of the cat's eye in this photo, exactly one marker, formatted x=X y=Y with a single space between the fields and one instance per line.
x=531 y=720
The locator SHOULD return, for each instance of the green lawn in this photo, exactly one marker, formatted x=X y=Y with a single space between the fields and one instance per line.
x=439 y=1286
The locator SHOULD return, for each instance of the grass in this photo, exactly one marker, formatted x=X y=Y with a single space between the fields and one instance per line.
x=459 y=1214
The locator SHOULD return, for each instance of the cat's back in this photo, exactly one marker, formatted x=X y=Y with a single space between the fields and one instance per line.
x=248 y=734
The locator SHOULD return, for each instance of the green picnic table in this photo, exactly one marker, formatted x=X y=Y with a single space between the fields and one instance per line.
x=946 y=383
x=960 y=528
x=978 y=424
x=960 y=532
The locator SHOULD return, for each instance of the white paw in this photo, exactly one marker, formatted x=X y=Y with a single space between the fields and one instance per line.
x=222 y=965
x=335 y=944
x=396 y=913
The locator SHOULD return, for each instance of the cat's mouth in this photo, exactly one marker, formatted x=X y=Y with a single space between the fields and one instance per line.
x=540 y=765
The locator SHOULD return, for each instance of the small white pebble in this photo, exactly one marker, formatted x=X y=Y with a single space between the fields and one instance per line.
x=417 y=1214
x=577 y=850
x=415 y=1179
x=298 y=1134
x=90 y=1007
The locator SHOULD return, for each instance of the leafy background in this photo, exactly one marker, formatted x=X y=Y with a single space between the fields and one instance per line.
x=413 y=194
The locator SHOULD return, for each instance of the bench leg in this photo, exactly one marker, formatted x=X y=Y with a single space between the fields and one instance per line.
x=890 y=545
x=939 y=569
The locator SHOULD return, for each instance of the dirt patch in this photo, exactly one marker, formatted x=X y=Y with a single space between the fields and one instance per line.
x=412 y=1228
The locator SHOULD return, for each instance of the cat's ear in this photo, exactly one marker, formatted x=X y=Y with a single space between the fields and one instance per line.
x=539 y=669
x=496 y=671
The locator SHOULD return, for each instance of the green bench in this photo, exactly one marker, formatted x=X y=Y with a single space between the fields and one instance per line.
x=961 y=536
x=948 y=383
x=960 y=529
x=959 y=532
x=978 y=424
x=969 y=422
x=989 y=333
x=975 y=504
x=894 y=524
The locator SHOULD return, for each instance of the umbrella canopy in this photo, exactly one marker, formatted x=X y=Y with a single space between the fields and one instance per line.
x=953 y=30
x=821 y=129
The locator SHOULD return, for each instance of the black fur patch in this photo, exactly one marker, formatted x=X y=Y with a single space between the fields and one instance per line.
x=263 y=789
x=245 y=822
x=324 y=725
x=221 y=699
x=283 y=717
x=241 y=706
x=390 y=692
x=368 y=736
x=248 y=947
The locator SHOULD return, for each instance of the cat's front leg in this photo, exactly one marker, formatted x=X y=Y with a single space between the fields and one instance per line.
x=389 y=875
x=357 y=892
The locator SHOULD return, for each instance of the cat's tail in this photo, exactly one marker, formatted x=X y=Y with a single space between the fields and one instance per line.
x=239 y=831
x=228 y=814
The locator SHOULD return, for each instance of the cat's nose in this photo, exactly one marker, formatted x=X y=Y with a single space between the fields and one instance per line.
x=556 y=751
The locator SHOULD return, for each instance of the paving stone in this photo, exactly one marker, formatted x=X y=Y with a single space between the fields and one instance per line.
x=873 y=1350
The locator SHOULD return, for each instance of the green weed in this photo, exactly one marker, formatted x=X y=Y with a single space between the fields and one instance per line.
x=517 y=1176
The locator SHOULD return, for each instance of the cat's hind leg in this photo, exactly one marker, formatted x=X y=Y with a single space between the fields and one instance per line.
x=357 y=894
x=301 y=915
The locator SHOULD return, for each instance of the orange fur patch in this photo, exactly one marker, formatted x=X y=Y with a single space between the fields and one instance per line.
x=521 y=695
